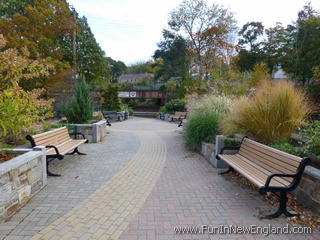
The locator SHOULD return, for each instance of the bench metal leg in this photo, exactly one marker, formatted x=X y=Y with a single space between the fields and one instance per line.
x=50 y=174
x=230 y=169
x=76 y=151
x=282 y=208
x=180 y=124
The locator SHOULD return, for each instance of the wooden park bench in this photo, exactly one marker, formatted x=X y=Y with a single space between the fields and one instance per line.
x=269 y=169
x=58 y=143
x=112 y=115
x=179 y=116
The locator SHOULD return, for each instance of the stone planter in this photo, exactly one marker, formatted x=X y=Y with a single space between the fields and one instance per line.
x=94 y=132
x=167 y=117
x=208 y=150
x=20 y=179
x=308 y=192
x=218 y=163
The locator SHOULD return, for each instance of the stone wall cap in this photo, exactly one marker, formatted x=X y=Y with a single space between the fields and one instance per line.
x=88 y=124
x=24 y=150
x=313 y=172
x=18 y=161
x=101 y=122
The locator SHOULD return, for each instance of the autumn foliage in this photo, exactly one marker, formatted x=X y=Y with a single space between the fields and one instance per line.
x=20 y=109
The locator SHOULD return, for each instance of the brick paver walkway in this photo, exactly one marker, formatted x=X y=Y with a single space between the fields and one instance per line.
x=155 y=185
x=81 y=176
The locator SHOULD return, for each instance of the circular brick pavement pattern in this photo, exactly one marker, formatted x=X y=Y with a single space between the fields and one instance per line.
x=107 y=212
x=162 y=186
x=81 y=176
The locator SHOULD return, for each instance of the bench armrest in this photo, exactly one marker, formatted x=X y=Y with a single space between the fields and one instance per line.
x=296 y=176
x=264 y=189
x=229 y=148
x=55 y=148
x=31 y=140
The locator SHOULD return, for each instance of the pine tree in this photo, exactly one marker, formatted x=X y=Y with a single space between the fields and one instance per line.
x=79 y=108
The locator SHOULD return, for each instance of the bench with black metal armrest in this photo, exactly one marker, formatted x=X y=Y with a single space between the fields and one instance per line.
x=58 y=143
x=107 y=116
x=120 y=116
x=161 y=115
x=110 y=115
x=269 y=169
x=178 y=116
x=181 y=121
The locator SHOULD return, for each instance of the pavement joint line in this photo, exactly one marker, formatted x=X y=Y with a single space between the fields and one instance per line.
x=132 y=184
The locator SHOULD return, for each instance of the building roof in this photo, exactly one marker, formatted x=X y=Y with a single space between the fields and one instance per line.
x=135 y=77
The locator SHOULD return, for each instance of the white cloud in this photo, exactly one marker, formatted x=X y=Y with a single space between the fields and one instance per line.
x=128 y=30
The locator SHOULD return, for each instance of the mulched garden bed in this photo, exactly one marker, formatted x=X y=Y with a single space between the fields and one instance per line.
x=6 y=157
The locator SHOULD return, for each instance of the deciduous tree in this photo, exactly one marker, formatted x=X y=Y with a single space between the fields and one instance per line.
x=172 y=56
x=250 y=46
x=209 y=30
x=303 y=45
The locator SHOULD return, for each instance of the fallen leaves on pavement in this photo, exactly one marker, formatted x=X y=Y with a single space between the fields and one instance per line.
x=307 y=218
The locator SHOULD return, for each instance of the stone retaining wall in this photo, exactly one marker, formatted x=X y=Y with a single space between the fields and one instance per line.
x=208 y=150
x=20 y=179
x=308 y=192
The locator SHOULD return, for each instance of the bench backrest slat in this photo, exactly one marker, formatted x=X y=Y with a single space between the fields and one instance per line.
x=265 y=161
x=49 y=135
x=179 y=114
x=262 y=171
x=55 y=140
x=53 y=137
x=285 y=155
x=269 y=158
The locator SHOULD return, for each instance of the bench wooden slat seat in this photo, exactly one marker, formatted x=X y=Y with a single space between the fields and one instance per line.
x=66 y=147
x=58 y=143
x=269 y=169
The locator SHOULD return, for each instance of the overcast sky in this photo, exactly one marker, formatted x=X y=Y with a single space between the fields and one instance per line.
x=129 y=30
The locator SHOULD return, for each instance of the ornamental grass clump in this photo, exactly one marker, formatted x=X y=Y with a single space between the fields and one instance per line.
x=204 y=119
x=273 y=113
